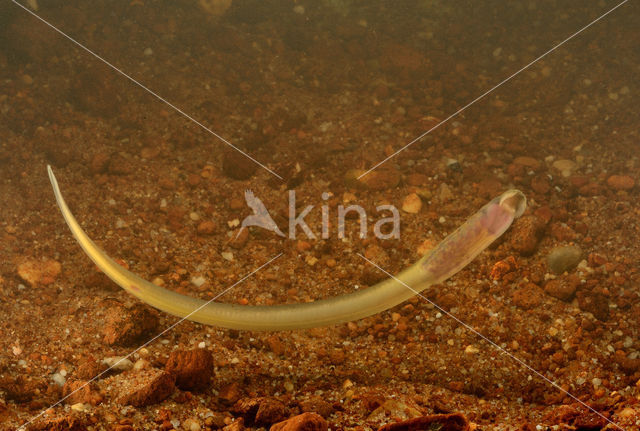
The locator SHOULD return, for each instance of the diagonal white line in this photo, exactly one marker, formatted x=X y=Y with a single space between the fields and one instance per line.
x=148 y=90
x=502 y=350
x=23 y=426
x=494 y=87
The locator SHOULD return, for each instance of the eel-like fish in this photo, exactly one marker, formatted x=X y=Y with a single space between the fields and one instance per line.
x=445 y=260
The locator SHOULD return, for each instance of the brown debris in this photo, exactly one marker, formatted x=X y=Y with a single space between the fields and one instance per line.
x=503 y=269
x=527 y=297
x=380 y=179
x=261 y=410
x=525 y=235
x=595 y=303
x=127 y=326
x=89 y=369
x=317 y=405
x=206 y=227
x=562 y=288
x=230 y=393
x=304 y=422
x=67 y=423
x=39 y=272
x=239 y=238
x=621 y=182
x=575 y=415
x=448 y=422
x=193 y=369
x=81 y=391
x=146 y=387
x=237 y=165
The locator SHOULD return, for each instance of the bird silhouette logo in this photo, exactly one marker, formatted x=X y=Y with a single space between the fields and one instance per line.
x=260 y=217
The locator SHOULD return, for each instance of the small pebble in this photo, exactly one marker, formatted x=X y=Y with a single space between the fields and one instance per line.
x=412 y=204
x=566 y=167
x=198 y=280
x=191 y=424
x=471 y=349
x=80 y=407
x=621 y=182
x=206 y=227
x=444 y=193
x=118 y=363
x=58 y=379
x=565 y=258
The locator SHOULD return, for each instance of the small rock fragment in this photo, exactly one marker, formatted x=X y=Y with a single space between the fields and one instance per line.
x=317 y=405
x=237 y=166
x=444 y=193
x=99 y=163
x=417 y=180
x=504 y=267
x=528 y=162
x=304 y=422
x=595 y=303
x=261 y=410
x=89 y=369
x=448 y=422
x=525 y=235
x=378 y=179
x=193 y=369
x=621 y=182
x=527 y=297
x=230 y=393
x=127 y=326
x=117 y=363
x=146 y=387
x=80 y=391
x=563 y=259
x=561 y=288
x=39 y=272
x=239 y=238
x=566 y=167
x=206 y=227
x=412 y=204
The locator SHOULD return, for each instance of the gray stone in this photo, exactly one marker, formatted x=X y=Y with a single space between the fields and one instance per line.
x=564 y=258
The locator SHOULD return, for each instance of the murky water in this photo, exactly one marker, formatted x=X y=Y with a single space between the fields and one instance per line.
x=177 y=131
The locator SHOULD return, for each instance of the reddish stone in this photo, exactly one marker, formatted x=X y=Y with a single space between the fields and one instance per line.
x=193 y=369
x=527 y=297
x=230 y=393
x=304 y=422
x=525 y=235
x=381 y=179
x=503 y=267
x=417 y=180
x=449 y=422
x=317 y=405
x=80 y=391
x=237 y=166
x=562 y=289
x=128 y=326
x=261 y=410
x=595 y=303
x=206 y=227
x=621 y=182
x=147 y=387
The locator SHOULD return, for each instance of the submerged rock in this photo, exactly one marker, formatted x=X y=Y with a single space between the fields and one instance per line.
x=564 y=258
